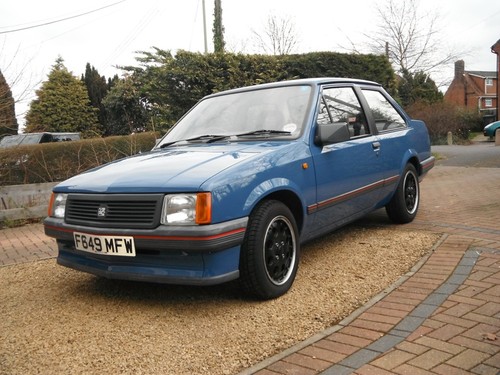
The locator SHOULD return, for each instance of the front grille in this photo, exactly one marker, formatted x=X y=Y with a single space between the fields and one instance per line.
x=114 y=210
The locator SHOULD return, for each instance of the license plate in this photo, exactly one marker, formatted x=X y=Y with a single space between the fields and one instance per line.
x=107 y=245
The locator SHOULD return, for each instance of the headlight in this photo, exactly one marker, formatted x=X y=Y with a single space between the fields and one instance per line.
x=57 y=205
x=186 y=209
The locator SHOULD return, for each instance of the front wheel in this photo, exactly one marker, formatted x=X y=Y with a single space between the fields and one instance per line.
x=404 y=204
x=270 y=251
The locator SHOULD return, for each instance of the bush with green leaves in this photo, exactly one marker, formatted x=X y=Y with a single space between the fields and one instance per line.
x=168 y=85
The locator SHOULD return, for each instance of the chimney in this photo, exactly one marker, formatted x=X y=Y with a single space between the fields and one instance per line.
x=459 y=69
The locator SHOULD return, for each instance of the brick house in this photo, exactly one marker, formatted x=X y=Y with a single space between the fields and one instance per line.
x=495 y=48
x=475 y=90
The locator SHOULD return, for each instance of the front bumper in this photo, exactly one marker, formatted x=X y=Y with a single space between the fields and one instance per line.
x=197 y=255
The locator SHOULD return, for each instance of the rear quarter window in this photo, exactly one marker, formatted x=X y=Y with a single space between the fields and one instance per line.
x=386 y=117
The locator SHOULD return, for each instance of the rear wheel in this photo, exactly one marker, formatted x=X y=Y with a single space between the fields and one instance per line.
x=404 y=204
x=270 y=251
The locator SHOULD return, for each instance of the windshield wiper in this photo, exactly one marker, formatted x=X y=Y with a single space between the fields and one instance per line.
x=208 y=138
x=264 y=132
x=165 y=145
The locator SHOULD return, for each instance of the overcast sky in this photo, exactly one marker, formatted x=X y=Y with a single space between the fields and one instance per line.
x=112 y=30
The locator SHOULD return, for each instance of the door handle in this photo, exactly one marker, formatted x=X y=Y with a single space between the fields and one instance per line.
x=376 y=146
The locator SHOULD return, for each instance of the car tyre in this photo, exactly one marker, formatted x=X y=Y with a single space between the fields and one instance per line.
x=404 y=204
x=270 y=251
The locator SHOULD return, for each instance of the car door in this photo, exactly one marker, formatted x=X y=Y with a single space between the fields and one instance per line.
x=348 y=173
x=391 y=129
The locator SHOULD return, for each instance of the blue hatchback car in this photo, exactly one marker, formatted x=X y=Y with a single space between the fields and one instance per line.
x=240 y=182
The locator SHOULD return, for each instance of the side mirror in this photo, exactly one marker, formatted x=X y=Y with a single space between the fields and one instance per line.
x=332 y=133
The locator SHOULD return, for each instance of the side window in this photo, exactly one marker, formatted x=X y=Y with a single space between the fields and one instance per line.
x=341 y=105
x=386 y=116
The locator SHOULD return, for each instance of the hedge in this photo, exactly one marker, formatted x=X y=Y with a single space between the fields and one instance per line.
x=174 y=83
x=52 y=162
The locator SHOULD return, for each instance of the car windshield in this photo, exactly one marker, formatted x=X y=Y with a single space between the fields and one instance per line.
x=270 y=112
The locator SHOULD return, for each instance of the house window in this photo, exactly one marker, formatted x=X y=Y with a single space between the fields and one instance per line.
x=488 y=102
x=489 y=81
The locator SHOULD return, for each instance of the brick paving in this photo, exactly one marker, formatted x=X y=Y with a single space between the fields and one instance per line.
x=443 y=317
x=25 y=244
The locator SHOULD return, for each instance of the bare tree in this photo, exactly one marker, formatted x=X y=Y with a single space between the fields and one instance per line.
x=279 y=36
x=410 y=38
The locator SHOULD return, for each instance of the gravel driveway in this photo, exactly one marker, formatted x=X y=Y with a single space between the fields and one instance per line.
x=56 y=320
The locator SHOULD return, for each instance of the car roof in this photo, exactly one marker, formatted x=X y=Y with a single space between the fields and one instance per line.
x=18 y=139
x=303 y=81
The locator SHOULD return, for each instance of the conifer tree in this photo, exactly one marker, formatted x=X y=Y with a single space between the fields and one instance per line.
x=417 y=86
x=62 y=105
x=8 y=121
x=218 y=30
x=126 y=112
x=97 y=88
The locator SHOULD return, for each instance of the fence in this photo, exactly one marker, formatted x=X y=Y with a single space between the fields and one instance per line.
x=24 y=201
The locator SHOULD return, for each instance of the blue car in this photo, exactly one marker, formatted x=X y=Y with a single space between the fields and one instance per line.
x=242 y=180
x=490 y=129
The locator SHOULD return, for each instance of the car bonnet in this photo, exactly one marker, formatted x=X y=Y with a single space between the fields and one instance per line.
x=173 y=169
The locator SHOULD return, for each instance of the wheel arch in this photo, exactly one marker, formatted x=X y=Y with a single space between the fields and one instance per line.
x=289 y=198
x=414 y=160
x=411 y=157
x=293 y=202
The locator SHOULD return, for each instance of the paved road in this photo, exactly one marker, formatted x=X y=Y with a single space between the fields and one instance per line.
x=483 y=154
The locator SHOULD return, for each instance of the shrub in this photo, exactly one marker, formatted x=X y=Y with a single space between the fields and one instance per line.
x=51 y=162
x=442 y=117
x=171 y=84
